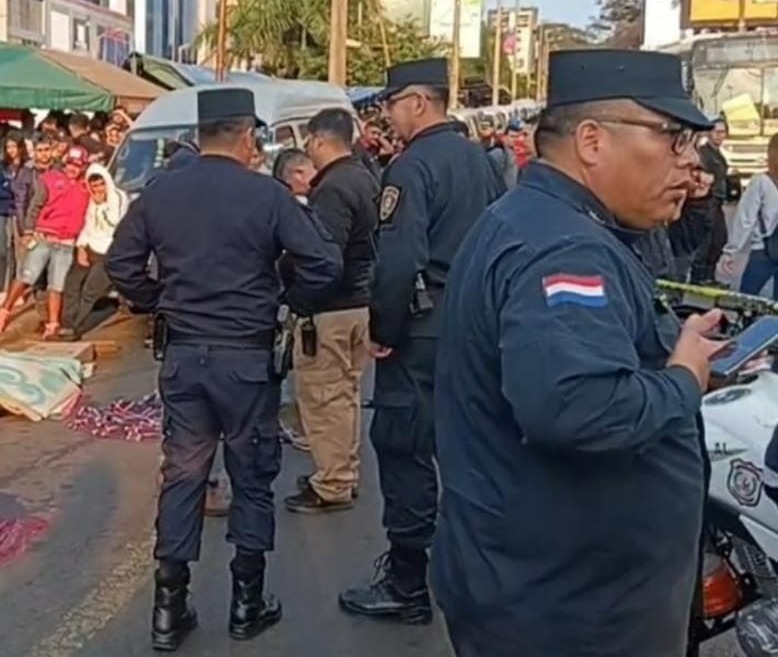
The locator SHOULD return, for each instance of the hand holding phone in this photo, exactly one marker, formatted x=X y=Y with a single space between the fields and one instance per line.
x=694 y=349
x=744 y=348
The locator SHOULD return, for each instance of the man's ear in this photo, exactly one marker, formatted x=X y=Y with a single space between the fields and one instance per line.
x=588 y=137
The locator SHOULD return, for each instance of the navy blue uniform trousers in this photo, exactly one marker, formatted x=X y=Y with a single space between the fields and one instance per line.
x=403 y=436
x=208 y=393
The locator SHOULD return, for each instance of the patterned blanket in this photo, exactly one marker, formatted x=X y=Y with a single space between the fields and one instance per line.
x=39 y=388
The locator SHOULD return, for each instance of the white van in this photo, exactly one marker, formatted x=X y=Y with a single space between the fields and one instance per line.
x=285 y=106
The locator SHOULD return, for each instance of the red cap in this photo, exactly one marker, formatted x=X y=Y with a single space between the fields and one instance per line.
x=77 y=155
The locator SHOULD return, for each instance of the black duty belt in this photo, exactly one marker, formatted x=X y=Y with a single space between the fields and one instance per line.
x=259 y=340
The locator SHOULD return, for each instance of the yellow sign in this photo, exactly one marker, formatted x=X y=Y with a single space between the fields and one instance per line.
x=722 y=11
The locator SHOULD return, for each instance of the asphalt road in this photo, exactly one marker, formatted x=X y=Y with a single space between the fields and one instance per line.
x=85 y=589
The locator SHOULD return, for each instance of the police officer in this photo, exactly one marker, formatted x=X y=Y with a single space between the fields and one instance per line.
x=217 y=229
x=568 y=396
x=432 y=194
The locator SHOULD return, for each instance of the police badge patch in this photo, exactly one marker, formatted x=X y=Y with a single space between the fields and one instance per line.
x=389 y=198
x=745 y=482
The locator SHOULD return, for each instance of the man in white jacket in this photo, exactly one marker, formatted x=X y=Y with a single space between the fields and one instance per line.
x=87 y=281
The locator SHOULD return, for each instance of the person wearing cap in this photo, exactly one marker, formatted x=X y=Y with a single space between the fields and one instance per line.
x=55 y=217
x=567 y=395
x=218 y=297
x=432 y=194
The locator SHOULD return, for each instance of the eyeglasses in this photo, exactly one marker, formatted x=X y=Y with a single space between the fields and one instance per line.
x=683 y=137
x=393 y=100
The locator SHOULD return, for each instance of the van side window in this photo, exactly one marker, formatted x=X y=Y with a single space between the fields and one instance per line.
x=285 y=136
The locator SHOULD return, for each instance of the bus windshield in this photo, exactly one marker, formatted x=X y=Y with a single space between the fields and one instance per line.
x=738 y=78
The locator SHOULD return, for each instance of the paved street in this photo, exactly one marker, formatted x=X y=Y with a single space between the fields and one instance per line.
x=85 y=590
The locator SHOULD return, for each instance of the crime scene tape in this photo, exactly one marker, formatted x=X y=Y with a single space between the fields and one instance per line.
x=721 y=297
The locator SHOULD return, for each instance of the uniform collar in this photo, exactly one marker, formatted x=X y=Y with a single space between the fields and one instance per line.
x=554 y=182
x=324 y=170
x=443 y=126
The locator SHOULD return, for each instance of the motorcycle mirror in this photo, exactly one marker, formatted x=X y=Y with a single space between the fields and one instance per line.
x=756 y=627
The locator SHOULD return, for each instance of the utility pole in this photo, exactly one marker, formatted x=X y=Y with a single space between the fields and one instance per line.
x=338 y=38
x=453 y=93
x=514 y=57
x=221 y=45
x=542 y=63
x=497 y=55
x=741 y=16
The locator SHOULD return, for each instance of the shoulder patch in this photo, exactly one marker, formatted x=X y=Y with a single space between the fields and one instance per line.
x=564 y=288
x=389 y=198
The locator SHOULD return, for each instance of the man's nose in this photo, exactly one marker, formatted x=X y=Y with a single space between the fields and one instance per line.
x=690 y=158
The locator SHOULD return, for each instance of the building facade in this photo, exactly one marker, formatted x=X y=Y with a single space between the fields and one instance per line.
x=101 y=28
x=169 y=28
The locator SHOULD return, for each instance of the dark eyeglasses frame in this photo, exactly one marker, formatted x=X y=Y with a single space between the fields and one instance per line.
x=683 y=136
x=390 y=102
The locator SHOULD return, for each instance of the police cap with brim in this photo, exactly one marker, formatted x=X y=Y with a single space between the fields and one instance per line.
x=431 y=72
x=214 y=105
x=651 y=79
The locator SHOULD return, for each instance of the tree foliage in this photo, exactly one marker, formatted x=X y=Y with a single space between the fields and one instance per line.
x=562 y=36
x=291 y=39
x=619 y=23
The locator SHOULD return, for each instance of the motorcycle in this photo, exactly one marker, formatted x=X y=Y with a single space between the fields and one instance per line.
x=740 y=564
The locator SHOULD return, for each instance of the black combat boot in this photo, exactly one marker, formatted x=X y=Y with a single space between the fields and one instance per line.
x=173 y=617
x=399 y=593
x=251 y=611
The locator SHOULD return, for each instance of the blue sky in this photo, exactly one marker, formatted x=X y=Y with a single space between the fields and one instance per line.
x=575 y=12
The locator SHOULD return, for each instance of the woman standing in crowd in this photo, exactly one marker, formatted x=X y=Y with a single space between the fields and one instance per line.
x=15 y=170
x=756 y=219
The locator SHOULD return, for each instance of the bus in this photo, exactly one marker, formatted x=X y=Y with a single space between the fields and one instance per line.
x=736 y=76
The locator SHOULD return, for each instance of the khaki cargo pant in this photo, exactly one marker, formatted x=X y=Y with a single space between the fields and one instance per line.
x=328 y=396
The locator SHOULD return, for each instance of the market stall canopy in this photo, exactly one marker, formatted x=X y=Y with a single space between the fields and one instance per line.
x=29 y=80
x=174 y=75
x=363 y=96
x=128 y=90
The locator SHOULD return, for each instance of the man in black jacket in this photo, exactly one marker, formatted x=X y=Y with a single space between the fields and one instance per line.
x=331 y=342
x=714 y=162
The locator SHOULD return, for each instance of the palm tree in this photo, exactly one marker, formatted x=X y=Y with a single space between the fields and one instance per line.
x=271 y=31
x=289 y=38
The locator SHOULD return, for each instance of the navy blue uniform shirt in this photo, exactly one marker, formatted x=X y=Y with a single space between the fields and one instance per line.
x=432 y=194
x=570 y=455
x=217 y=229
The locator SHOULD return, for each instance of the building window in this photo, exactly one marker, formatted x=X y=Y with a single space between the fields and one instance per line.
x=114 y=45
x=26 y=15
x=80 y=34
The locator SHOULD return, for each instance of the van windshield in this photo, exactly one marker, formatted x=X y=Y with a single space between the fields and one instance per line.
x=141 y=155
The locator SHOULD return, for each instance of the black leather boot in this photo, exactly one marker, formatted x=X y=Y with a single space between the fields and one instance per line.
x=252 y=611
x=174 y=617
x=399 y=593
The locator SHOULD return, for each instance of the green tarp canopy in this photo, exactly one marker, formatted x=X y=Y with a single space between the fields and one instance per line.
x=28 y=80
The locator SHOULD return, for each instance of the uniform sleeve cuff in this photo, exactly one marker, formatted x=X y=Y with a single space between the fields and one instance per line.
x=688 y=387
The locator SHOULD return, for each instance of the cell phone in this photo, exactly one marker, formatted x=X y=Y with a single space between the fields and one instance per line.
x=744 y=347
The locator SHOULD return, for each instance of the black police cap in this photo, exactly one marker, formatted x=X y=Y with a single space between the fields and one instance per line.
x=431 y=72
x=215 y=105
x=651 y=79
